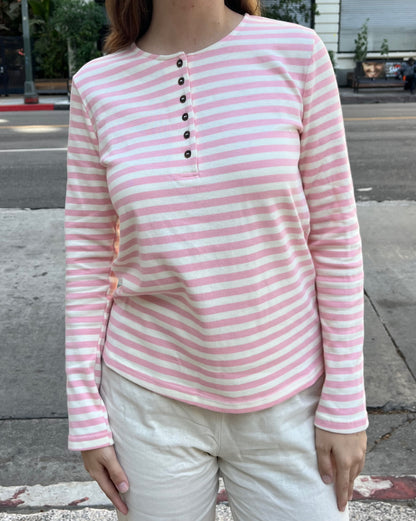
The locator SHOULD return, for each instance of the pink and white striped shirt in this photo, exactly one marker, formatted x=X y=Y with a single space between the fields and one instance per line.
x=213 y=248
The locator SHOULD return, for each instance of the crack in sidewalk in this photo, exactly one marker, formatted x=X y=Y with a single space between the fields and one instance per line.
x=388 y=435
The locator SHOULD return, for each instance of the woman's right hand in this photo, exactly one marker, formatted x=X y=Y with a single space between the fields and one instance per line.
x=103 y=466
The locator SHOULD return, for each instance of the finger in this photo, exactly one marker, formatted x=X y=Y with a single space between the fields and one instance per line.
x=107 y=486
x=356 y=471
x=117 y=475
x=342 y=486
x=325 y=465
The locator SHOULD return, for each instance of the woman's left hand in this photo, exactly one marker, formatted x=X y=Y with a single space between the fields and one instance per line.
x=340 y=460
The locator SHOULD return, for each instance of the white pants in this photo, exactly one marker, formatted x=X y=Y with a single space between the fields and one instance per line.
x=173 y=452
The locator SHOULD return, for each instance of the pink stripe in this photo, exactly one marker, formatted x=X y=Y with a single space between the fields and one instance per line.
x=228 y=200
x=191 y=362
x=232 y=230
x=231 y=307
x=226 y=387
x=340 y=398
x=174 y=339
x=88 y=437
x=265 y=210
x=307 y=287
x=337 y=384
x=217 y=279
x=214 y=187
x=340 y=411
x=163 y=385
x=215 y=263
x=347 y=426
x=84 y=410
x=91 y=422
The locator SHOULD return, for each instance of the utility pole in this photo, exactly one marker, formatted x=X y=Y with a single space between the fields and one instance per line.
x=30 y=95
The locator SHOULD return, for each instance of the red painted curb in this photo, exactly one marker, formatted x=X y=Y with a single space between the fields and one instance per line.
x=38 y=106
x=385 y=488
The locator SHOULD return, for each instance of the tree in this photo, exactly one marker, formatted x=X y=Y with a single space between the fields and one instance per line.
x=289 y=10
x=81 y=23
x=10 y=18
x=361 y=43
x=385 y=50
x=50 y=47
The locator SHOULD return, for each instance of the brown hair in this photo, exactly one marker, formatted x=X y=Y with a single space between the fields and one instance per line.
x=130 y=19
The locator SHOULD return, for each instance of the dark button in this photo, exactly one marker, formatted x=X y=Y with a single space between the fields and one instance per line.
x=183 y=99
x=188 y=154
x=179 y=63
x=181 y=80
x=187 y=134
x=185 y=116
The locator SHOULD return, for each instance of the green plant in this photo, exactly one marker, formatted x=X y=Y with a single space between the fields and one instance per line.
x=289 y=11
x=50 y=52
x=50 y=47
x=361 y=43
x=41 y=10
x=385 y=47
x=10 y=18
x=81 y=24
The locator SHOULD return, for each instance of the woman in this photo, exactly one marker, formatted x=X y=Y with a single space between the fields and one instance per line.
x=214 y=271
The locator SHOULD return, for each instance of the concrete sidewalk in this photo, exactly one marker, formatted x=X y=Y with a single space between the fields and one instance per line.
x=348 y=96
x=377 y=95
x=42 y=480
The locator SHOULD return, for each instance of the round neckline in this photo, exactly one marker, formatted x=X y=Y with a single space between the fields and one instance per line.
x=210 y=47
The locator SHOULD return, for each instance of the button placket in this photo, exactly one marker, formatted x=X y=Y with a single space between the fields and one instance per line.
x=183 y=99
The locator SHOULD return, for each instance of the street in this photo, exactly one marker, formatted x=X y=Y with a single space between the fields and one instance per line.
x=381 y=140
x=381 y=143
x=32 y=158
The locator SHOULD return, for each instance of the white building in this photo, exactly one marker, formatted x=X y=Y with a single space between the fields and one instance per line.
x=339 y=21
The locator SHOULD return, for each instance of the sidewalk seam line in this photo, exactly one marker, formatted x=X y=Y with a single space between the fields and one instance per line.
x=386 y=329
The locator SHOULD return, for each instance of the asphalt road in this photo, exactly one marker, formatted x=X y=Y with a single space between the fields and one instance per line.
x=32 y=159
x=381 y=141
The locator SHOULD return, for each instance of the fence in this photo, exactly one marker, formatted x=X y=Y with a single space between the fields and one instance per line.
x=12 y=55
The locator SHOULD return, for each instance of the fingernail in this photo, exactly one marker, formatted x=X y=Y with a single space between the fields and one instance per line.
x=123 y=487
x=327 y=479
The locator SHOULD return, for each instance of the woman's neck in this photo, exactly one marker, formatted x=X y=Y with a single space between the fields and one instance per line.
x=187 y=25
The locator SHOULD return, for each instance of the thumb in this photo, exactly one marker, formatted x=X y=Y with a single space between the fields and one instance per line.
x=323 y=452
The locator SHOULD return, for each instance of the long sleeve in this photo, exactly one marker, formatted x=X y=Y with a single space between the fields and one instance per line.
x=91 y=239
x=335 y=247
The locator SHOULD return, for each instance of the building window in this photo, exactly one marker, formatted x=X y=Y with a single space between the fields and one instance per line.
x=391 y=19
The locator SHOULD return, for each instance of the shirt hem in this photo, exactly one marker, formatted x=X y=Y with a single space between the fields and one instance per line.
x=236 y=407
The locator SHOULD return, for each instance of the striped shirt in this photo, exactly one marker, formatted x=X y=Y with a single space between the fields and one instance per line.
x=213 y=248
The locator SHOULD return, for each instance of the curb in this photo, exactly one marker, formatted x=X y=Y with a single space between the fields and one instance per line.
x=39 y=106
x=88 y=493
x=373 y=99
